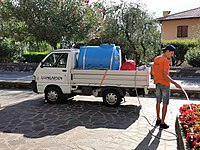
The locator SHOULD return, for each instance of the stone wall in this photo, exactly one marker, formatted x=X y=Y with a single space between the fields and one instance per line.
x=190 y=72
x=26 y=67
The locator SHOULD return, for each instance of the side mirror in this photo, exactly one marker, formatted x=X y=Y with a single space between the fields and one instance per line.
x=42 y=63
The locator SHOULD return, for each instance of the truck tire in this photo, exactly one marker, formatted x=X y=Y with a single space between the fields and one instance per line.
x=53 y=95
x=111 y=98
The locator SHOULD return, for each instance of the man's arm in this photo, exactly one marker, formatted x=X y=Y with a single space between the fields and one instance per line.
x=168 y=78
x=152 y=72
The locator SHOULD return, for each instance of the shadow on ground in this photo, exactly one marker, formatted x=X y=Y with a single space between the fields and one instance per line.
x=151 y=141
x=35 y=118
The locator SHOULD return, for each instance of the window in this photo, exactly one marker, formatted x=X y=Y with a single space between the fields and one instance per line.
x=56 y=60
x=182 y=31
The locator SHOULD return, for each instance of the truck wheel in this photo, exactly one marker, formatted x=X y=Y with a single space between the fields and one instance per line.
x=112 y=98
x=53 y=95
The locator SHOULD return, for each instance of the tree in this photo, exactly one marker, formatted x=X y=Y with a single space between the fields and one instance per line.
x=131 y=27
x=53 y=19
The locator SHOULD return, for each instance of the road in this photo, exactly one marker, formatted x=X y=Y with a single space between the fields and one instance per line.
x=27 y=76
x=23 y=76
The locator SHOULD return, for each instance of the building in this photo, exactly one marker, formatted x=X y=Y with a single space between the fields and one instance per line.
x=182 y=25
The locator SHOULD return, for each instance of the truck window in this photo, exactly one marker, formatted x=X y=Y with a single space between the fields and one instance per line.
x=56 y=60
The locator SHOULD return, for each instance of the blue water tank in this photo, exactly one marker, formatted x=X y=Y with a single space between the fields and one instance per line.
x=105 y=56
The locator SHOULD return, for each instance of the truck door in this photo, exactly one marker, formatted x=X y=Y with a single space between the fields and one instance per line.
x=53 y=71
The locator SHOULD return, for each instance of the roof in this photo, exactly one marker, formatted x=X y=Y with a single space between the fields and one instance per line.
x=188 y=14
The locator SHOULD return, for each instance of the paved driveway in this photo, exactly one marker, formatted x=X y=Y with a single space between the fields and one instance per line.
x=27 y=122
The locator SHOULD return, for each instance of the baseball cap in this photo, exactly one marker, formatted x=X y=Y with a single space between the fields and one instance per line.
x=170 y=48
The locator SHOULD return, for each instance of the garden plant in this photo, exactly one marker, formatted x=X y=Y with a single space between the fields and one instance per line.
x=190 y=122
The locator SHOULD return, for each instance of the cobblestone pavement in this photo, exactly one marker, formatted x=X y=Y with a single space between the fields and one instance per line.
x=28 y=123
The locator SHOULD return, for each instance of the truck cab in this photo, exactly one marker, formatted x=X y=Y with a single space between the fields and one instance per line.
x=54 y=72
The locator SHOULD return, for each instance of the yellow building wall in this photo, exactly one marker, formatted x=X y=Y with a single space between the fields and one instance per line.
x=169 y=28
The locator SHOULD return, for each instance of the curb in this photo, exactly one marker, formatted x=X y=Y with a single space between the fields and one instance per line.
x=179 y=93
x=14 y=84
x=19 y=84
x=181 y=141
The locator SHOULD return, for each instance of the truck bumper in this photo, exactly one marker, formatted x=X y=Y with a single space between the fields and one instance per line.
x=34 y=86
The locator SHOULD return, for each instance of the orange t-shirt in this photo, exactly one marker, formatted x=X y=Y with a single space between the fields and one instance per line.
x=160 y=63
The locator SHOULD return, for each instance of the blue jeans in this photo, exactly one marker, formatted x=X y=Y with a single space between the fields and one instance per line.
x=162 y=93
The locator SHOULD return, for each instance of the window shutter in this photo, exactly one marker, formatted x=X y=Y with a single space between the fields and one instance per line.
x=179 y=31
x=185 y=31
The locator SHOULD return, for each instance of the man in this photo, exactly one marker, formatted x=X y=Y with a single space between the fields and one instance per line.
x=162 y=80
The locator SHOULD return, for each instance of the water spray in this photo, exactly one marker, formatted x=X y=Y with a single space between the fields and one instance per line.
x=186 y=97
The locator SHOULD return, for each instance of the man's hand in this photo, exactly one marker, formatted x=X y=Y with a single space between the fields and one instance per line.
x=177 y=85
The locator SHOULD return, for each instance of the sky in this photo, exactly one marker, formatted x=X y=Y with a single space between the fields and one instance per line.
x=175 y=6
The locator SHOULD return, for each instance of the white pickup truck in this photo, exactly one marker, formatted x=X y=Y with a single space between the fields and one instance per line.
x=58 y=77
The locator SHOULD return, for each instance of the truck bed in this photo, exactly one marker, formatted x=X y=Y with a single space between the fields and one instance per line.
x=119 y=78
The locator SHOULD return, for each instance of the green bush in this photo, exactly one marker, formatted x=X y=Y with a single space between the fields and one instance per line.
x=34 y=57
x=9 y=52
x=193 y=57
x=182 y=46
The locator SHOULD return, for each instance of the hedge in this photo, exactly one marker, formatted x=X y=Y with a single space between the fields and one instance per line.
x=34 y=57
x=182 y=46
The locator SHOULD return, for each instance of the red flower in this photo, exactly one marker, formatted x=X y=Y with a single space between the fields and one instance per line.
x=100 y=11
x=188 y=137
x=104 y=24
